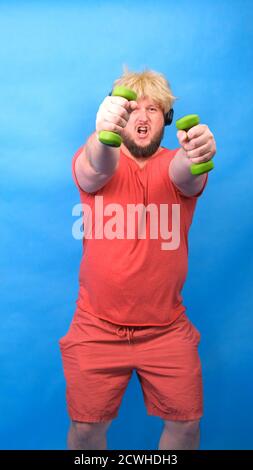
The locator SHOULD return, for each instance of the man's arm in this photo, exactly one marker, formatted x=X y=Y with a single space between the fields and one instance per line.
x=96 y=164
x=197 y=146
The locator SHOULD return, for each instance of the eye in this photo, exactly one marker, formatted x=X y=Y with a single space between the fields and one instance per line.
x=153 y=108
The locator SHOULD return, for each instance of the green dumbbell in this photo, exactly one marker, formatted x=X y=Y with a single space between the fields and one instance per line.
x=111 y=138
x=185 y=124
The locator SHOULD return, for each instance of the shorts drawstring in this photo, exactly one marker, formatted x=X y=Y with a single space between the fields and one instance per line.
x=125 y=330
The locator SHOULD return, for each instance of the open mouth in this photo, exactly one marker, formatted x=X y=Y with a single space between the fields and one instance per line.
x=142 y=130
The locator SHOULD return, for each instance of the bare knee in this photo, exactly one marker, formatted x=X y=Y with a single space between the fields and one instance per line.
x=86 y=430
x=84 y=435
x=183 y=428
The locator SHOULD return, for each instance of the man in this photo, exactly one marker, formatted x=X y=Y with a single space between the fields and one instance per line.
x=129 y=313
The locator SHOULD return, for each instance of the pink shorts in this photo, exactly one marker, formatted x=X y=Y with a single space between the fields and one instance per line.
x=99 y=358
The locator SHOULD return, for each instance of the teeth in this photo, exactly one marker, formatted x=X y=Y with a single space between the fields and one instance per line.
x=142 y=129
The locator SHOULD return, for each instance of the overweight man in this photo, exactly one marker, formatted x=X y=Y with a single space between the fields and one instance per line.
x=138 y=203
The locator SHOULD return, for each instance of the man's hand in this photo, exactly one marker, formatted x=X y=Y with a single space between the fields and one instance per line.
x=113 y=114
x=198 y=143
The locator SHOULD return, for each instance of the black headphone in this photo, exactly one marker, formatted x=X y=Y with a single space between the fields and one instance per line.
x=168 y=117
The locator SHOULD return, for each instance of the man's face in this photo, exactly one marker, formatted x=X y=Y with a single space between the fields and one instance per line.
x=144 y=131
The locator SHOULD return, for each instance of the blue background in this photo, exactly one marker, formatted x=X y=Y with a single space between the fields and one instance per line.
x=58 y=62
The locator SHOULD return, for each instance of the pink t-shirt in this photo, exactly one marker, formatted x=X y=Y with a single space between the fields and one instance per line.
x=132 y=277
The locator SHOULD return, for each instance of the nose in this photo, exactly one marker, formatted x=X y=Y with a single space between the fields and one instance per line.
x=142 y=115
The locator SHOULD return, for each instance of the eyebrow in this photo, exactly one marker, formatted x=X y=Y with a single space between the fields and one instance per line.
x=151 y=106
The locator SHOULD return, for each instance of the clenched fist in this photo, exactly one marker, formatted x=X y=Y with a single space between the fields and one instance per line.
x=113 y=114
x=198 y=143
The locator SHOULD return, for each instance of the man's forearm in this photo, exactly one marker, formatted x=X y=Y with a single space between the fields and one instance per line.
x=180 y=174
x=102 y=158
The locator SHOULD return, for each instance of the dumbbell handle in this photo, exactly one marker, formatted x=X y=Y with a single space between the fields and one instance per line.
x=185 y=124
x=112 y=138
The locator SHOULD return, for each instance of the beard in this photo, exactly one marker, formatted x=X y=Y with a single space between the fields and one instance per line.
x=139 y=151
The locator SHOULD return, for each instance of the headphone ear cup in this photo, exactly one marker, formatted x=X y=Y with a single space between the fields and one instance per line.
x=168 y=118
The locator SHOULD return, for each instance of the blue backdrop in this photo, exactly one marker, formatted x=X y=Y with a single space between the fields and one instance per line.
x=58 y=61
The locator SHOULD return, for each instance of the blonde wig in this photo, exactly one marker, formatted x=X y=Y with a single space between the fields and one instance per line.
x=149 y=84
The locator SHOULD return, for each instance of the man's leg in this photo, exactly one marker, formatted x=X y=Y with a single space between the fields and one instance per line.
x=88 y=436
x=97 y=372
x=180 y=435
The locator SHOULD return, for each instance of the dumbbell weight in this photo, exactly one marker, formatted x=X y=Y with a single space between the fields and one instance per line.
x=185 y=124
x=112 y=138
